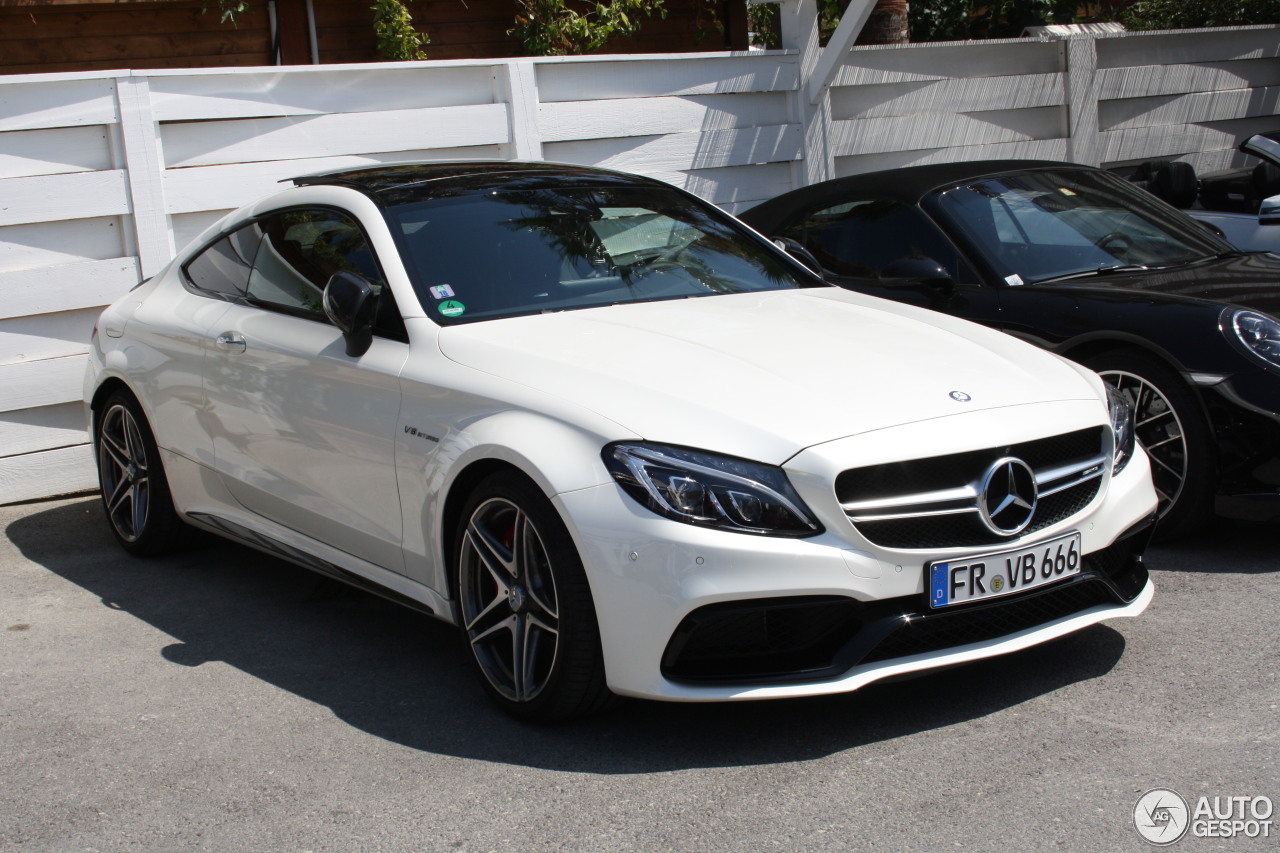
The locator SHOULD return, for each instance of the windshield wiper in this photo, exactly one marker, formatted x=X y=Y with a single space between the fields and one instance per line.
x=1102 y=270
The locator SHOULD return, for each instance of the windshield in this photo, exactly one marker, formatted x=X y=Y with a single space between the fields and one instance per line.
x=504 y=253
x=1041 y=225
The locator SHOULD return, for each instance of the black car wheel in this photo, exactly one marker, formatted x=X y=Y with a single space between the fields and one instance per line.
x=135 y=492
x=1171 y=427
x=525 y=605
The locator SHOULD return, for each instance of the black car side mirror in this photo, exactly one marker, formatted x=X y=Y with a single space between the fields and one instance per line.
x=796 y=249
x=351 y=303
x=1269 y=211
x=927 y=271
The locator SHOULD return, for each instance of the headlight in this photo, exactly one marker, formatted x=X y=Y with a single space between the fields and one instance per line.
x=708 y=490
x=1121 y=428
x=1257 y=333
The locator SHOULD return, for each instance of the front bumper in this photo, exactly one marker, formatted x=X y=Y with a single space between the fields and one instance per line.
x=690 y=614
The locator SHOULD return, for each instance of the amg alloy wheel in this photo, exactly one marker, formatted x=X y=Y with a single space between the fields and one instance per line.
x=135 y=493
x=525 y=606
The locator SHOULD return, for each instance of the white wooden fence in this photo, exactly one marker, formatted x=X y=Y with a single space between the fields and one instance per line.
x=103 y=174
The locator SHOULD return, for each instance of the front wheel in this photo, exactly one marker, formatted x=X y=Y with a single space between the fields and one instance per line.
x=525 y=605
x=1172 y=429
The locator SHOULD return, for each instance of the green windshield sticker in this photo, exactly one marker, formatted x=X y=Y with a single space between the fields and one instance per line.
x=452 y=308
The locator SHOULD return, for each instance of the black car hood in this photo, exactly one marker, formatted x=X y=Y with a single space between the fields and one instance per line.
x=1250 y=280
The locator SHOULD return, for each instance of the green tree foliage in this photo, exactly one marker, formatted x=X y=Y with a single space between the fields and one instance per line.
x=397 y=39
x=1185 y=14
x=555 y=28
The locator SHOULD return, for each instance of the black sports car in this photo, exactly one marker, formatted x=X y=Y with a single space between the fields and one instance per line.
x=1084 y=263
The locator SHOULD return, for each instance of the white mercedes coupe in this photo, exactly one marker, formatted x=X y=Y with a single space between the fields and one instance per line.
x=623 y=442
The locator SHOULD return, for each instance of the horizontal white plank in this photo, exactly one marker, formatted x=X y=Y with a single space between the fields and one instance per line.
x=1172 y=48
x=1189 y=109
x=47 y=198
x=909 y=63
x=226 y=187
x=41 y=383
x=651 y=78
x=1175 y=140
x=735 y=187
x=46 y=336
x=44 y=244
x=1035 y=149
x=51 y=152
x=56 y=103
x=568 y=120
x=254 y=140
x=683 y=151
x=1147 y=80
x=940 y=130
x=47 y=428
x=215 y=95
x=65 y=287
x=48 y=474
x=953 y=95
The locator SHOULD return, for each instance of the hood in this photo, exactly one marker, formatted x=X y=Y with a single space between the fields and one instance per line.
x=764 y=375
x=1248 y=280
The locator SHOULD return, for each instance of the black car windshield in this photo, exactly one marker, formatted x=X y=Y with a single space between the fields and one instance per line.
x=1041 y=225
x=508 y=252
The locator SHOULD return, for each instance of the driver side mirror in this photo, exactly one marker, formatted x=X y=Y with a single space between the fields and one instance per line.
x=351 y=303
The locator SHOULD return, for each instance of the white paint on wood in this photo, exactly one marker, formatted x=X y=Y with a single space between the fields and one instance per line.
x=30 y=103
x=638 y=77
x=254 y=140
x=1036 y=149
x=648 y=154
x=50 y=198
x=1186 y=46
x=1188 y=109
x=939 y=130
x=913 y=63
x=1151 y=80
x=617 y=117
x=46 y=336
x=30 y=384
x=1082 y=109
x=54 y=151
x=64 y=471
x=144 y=161
x=65 y=287
x=29 y=246
x=47 y=428
x=517 y=84
x=1159 y=142
x=962 y=94
x=216 y=95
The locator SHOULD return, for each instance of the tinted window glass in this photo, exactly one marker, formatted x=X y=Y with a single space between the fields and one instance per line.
x=509 y=252
x=861 y=237
x=223 y=269
x=1046 y=224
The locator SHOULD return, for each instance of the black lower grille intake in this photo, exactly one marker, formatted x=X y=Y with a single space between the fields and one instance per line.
x=810 y=638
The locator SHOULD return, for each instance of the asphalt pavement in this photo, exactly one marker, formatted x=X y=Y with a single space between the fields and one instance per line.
x=222 y=700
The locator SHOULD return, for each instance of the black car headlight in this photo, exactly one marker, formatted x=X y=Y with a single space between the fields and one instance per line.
x=1121 y=428
x=1257 y=333
x=709 y=490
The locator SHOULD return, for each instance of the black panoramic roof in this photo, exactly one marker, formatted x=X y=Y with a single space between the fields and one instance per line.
x=400 y=182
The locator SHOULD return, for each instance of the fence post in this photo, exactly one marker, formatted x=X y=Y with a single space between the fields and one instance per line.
x=799 y=24
x=1081 y=60
x=518 y=84
x=144 y=168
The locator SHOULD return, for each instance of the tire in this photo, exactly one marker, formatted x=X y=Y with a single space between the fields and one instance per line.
x=131 y=478
x=1171 y=426
x=525 y=606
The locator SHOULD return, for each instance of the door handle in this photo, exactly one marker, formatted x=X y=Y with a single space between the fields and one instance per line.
x=230 y=342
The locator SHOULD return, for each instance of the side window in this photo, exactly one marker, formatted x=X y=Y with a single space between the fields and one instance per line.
x=300 y=252
x=861 y=237
x=223 y=269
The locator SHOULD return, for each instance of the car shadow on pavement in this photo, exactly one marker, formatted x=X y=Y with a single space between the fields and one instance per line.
x=404 y=677
x=1251 y=546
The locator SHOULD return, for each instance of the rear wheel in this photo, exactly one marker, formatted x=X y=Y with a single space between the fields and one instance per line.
x=1172 y=428
x=525 y=605
x=135 y=492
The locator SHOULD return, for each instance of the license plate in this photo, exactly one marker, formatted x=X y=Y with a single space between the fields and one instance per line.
x=986 y=576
